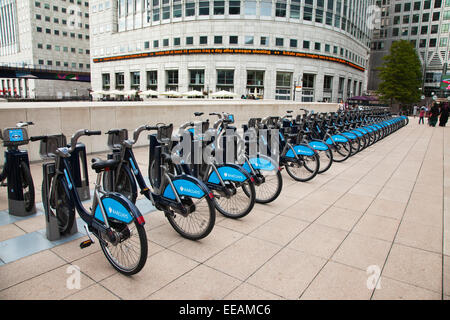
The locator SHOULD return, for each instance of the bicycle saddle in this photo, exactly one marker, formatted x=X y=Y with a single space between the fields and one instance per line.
x=100 y=165
x=198 y=114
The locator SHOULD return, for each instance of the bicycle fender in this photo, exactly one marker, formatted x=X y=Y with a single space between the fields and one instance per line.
x=336 y=138
x=358 y=133
x=319 y=146
x=301 y=150
x=186 y=186
x=229 y=172
x=119 y=208
x=349 y=135
x=260 y=162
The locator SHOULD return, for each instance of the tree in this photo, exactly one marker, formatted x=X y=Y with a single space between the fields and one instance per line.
x=401 y=74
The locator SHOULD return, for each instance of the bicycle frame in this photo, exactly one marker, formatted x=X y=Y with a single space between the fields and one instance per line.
x=176 y=187
x=105 y=204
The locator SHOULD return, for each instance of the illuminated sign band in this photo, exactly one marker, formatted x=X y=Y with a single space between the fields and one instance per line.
x=229 y=51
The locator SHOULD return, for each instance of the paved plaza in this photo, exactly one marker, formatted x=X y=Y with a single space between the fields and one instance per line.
x=385 y=211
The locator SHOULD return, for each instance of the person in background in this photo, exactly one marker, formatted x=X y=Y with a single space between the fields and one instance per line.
x=422 y=115
x=434 y=114
x=415 y=111
x=444 y=115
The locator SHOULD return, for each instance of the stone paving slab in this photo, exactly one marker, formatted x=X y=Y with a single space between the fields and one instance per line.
x=374 y=227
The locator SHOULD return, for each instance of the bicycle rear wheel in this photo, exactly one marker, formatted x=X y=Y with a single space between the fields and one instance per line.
x=198 y=224
x=128 y=253
x=27 y=186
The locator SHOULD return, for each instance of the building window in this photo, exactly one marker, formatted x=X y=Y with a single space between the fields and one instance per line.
x=166 y=12
x=255 y=84
x=203 y=8
x=295 y=9
x=189 y=40
x=250 y=8
x=308 y=87
x=306 y=44
x=264 y=41
x=219 y=7
x=120 y=80
x=217 y=39
x=265 y=8
x=307 y=13
x=225 y=80
x=165 y=42
x=234 y=7
x=293 y=43
x=283 y=86
x=152 y=80
x=280 y=9
x=190 y=9
x=177 y=11
x=328 y=88
x=203 y=40
x=234 y=39
x=106 y=81
x=172 y=80
x=135 y=80
x=176 y=41
x=197 y=80
x=249 y=40
x=279 y=42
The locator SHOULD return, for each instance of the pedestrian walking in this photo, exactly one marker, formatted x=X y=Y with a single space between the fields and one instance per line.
x=444 y=115
x=415 y=111
x=434 y=115
x=422 y=115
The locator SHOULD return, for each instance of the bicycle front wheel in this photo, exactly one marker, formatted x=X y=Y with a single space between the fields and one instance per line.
x=238 y=205
x=325 y=159
x=27 y=186
x=341 y=151
x=197 y=224
x=270 y=189
x=123 y=183
x=60 y=205
x=128 y=253
x=304 y=169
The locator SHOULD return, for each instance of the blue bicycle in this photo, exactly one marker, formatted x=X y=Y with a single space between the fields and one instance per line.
x=113 y=219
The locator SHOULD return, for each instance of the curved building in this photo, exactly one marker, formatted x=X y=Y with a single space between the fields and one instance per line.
x=307 y=50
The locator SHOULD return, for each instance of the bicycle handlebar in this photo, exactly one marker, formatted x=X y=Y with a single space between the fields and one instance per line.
x=22 y=124
x=38 y=138
x=77 y=135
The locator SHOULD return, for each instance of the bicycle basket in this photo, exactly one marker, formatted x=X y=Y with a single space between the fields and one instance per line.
x=273 y=121
x=165 y=133
x=116 y=138
x=254 y=122
x=15 y=137
x=47 y=149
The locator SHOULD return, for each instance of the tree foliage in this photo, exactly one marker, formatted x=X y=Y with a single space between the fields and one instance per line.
x=401 y=74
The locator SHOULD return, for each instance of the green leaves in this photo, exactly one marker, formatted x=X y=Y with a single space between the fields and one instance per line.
x=401 y=74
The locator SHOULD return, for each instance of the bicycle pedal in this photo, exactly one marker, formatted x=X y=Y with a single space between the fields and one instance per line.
x=86 y=244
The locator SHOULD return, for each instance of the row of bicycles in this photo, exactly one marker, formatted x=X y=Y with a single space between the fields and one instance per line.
x=208 y=165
